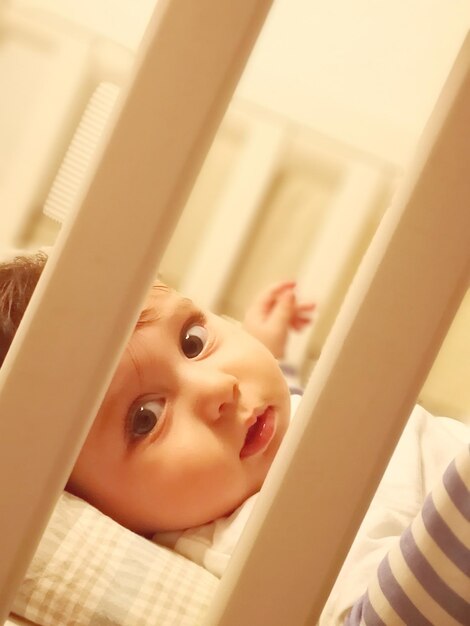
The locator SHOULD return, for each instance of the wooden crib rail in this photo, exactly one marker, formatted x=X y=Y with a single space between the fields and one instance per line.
x=372 y=367
x=106 y=256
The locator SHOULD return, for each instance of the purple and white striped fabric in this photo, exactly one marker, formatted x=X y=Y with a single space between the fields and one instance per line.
x=425 y=578
x=292 y=376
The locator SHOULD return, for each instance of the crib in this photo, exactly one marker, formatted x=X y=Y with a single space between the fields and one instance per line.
x=427 y=225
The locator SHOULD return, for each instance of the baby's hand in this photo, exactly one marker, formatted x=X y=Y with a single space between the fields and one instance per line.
x=274 y=312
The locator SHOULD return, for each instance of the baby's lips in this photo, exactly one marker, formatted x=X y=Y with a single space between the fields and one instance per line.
x=259 y=434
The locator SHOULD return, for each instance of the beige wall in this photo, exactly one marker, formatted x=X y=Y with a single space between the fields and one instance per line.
x=365 y=72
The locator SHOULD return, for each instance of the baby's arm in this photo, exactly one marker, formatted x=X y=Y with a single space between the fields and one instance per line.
x=424 y=577
x=275 y=312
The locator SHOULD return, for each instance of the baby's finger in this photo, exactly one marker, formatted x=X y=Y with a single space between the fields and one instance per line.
x=304 y=310
x=281 y=285
x=305 y=306
x=297 y=322
x=269 y=296
x=278 y=290
x=283 y=309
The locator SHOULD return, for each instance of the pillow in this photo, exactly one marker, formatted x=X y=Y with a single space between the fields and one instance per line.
x=90 y=570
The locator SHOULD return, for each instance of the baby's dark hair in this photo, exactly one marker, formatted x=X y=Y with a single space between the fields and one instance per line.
x=18 y=280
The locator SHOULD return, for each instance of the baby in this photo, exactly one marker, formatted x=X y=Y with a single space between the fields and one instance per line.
x=193 y=418
x=195 y=412
x=191 y=422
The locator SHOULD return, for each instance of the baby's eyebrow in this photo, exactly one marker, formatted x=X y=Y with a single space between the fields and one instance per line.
x=147 y=316
x=148 y=313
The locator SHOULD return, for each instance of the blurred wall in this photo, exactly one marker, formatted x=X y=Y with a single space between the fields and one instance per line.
x=366 y=72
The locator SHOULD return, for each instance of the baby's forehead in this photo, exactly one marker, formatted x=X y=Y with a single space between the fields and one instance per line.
x=149 y=311
x=163 y=302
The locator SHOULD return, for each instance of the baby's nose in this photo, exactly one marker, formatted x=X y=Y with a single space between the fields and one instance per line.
x=216 y=395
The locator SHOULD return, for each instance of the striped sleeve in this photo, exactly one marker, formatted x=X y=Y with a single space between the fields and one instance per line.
x=292 y=376
x=425 y=578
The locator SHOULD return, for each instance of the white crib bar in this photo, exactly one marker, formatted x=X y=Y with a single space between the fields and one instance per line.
x=375 y=360
x=229 y=229
x=351 y=217
x=103 y=263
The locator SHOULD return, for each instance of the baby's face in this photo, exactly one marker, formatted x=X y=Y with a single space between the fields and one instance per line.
x=189 y=427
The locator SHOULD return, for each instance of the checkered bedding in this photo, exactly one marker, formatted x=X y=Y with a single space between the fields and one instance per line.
x=90 y=570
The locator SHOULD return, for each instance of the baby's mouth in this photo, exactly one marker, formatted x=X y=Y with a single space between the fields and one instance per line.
x=259 y=434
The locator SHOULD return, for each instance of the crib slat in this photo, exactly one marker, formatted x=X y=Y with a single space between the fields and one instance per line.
x=228 y=232
x=376 y=358
x=324 y=275
x=92 y=289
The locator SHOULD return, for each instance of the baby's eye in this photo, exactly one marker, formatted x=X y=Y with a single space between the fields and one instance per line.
x=193 y=340
x=145 y=417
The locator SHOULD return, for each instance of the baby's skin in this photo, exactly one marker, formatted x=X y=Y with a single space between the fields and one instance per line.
x=194 y=414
